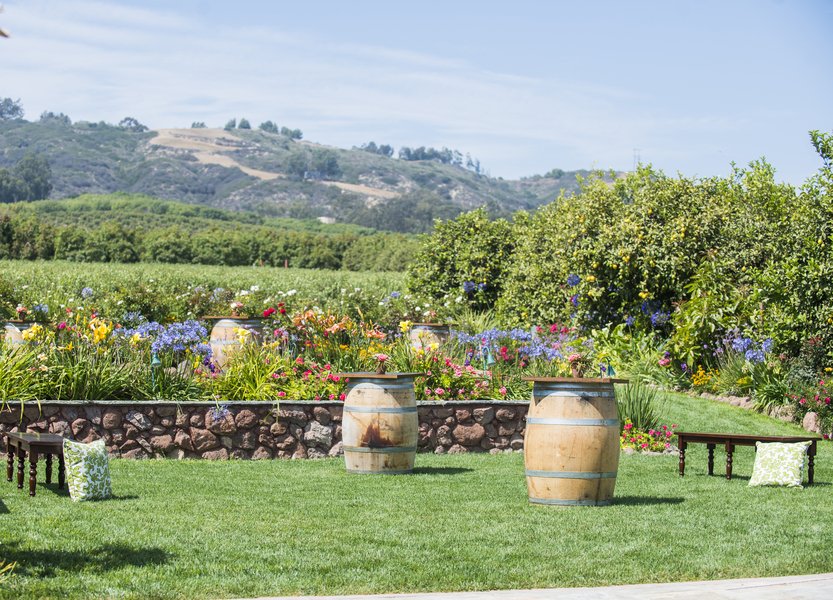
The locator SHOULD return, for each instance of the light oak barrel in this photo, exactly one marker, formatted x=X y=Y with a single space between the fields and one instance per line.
x=571 y=445
x=423 y=335
x=380 y=423
x=224 y=339
x=14 y=332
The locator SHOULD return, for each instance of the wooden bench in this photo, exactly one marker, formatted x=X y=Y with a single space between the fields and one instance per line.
x=33 y=445
x=730 y=440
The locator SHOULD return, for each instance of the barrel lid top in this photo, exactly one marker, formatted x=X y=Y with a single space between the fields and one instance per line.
x=432 y=324
x=374 y=375
x=575 y=380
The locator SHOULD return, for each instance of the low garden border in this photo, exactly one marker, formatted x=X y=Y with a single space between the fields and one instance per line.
x=258 y=430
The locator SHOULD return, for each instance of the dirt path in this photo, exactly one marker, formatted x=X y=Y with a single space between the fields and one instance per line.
x=210 y=146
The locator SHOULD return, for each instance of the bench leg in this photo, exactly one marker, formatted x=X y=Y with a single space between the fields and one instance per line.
x=33 y=472
x=682 y=446
x=811 y=455
x=711 y=458
x=9 y=462
x=729 y=449
x=21 y=458
x=48 y=468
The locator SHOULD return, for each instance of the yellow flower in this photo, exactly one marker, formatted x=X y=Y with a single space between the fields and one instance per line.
x=644 y=294
x=405 y=326
x=591 y=278
x=135 y=339
x=33 y=332
x=242 y=334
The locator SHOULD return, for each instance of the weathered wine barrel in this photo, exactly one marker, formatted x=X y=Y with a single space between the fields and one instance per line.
x=571 y=445
x=422 y=335
x=14 y=332
x=225 y=339
x=380 y=423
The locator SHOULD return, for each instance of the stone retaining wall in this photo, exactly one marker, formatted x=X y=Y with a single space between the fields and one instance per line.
x=259 y=429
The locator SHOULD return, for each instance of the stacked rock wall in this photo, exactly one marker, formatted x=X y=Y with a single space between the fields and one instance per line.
x=258 y=429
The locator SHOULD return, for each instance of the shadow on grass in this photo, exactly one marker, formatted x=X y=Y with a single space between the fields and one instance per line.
x=64 y=493
x=645 y=500
x=4 y=510
x=441 y=470
x=108 y=557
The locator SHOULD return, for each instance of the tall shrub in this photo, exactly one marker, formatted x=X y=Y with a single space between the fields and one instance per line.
x=466 y=257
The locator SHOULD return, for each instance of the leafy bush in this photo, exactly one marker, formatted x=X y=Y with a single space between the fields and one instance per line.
x=467 y=257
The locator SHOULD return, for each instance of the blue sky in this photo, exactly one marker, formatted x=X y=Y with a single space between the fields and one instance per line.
x=524 y=86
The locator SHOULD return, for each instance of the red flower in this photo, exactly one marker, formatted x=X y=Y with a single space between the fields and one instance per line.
x=269 y=312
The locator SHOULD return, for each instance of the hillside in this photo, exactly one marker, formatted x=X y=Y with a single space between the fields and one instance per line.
x=267 y=173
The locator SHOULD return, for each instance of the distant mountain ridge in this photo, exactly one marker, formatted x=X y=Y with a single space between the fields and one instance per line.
x=268 y=173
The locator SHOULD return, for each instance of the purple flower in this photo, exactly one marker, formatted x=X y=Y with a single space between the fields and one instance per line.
x=573 y=280
x=395 y=295
x=659 y=318
x=87 y=293
x=629 y=321
x=469 y=287
x=574 y=299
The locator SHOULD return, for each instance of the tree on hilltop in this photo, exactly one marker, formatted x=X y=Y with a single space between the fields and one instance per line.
x=131 y=124
x=232 y=123
x=269 y=127
x=10 y=109
x=244 y=124
x=198 y=125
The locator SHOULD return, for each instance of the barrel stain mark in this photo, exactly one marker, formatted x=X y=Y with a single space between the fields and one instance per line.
x=373 y=438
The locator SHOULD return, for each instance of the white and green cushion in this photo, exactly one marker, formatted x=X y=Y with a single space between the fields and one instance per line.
x=778 y=463
x=87 y=470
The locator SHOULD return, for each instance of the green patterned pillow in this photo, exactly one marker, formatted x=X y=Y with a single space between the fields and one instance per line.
x=88 y=470
x=779 y=464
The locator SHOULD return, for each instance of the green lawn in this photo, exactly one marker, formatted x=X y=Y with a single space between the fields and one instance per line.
x=235 y=529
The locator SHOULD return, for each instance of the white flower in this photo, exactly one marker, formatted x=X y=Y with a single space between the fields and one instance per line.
x=291 y=292
x=255 y=288
x=243 y=293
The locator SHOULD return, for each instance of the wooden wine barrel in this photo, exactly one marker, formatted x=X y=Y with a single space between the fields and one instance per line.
x=380 y=423
x=571 y=445
x=14 y=332
x=422 y=335
x=224 y=340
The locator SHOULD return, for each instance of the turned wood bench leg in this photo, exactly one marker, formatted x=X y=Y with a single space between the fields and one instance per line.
x=48 y=468
x=33 y=472
x=21 y=458
x=61 y=471
x=711 y=458
x=682 y=445
x=811 y=455
x=9 y=461
x=729 y=449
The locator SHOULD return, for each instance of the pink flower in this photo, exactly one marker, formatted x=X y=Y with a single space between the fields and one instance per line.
x=628 y=426
x=62 y=325
x=439 y=391
x=281 y=394
x=332 y=396
x=502 y=391
x=664 y=362
x=342 y=396
x=644 y=445
x=802 y=402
